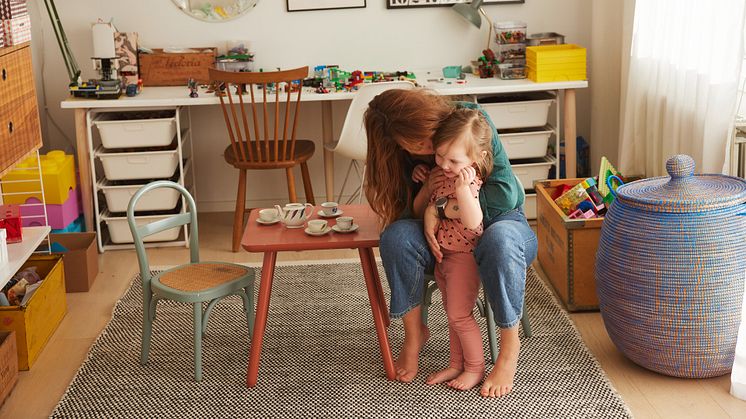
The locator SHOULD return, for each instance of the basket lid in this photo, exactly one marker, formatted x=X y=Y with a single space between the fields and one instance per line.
x=683 y=191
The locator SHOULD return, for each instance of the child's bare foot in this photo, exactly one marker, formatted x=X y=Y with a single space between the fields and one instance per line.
x=466 y=380
x=500 y=380
x=442 y=376
x=409 y=357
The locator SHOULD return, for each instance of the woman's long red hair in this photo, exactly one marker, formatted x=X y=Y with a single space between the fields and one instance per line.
x=397 y=119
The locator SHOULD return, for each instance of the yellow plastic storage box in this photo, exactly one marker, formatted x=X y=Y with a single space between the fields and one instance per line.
x=547 y=63
x=35 y=322
x=58 y=174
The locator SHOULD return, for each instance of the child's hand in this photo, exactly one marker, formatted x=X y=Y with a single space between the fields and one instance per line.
x=420 y=173
x=465 y=177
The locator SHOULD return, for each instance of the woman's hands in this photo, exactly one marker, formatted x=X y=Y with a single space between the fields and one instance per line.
x=420 y=173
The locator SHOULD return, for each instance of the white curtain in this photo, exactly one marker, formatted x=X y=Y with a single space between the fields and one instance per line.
x=681 y=84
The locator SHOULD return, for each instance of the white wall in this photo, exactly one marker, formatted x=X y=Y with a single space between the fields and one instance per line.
x=372 y=38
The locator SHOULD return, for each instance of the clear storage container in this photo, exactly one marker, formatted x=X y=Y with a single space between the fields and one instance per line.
x=512 y=71
x=511 y=32
x=136 y=129
x=511 y=53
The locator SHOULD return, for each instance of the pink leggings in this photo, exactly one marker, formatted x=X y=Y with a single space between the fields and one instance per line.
x=458 y=280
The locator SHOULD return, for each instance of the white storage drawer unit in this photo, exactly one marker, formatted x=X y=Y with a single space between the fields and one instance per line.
x=532 y=170
x=136 y=129
x=138 y=165
x=529 y=206
x=118 y=197
x=525 y=144
x=119 y=229
x=513 y=111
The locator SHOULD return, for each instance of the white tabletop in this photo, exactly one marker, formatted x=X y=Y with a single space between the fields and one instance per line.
x=179 y=95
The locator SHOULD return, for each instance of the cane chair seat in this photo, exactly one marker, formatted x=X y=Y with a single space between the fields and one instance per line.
x=201 y=276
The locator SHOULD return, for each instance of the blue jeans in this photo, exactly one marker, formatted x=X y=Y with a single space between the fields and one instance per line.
x=505 y=250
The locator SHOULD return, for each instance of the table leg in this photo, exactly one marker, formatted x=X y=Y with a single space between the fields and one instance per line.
x=570 y=134
x=379 y=288
x=260 y=322
x=84 y=167
x=327 y=134
x=369 y=267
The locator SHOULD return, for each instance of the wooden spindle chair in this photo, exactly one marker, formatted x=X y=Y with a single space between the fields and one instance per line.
x=271 y=146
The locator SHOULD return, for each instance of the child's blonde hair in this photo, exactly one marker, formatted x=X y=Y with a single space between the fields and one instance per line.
x=469 y=126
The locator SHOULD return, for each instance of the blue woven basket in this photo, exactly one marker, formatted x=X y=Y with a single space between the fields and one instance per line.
x=670 y=270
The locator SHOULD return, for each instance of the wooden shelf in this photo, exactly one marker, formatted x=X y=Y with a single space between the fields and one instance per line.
x=18 y=253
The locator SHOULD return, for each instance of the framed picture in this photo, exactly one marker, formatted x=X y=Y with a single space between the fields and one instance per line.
x=405 y=4
x=306 y=5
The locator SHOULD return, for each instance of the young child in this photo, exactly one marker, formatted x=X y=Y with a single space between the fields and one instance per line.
x=463 y=154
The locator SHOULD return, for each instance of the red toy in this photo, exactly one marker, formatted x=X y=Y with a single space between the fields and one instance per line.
x=10 y=220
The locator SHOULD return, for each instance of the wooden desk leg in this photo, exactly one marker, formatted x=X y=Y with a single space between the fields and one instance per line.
x=379 y=288
x=369 y=267
x=84 y=167
x=260 y=322
x=570 y=134
x=327 y=134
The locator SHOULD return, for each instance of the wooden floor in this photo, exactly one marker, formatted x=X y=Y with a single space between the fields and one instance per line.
x=648 y=395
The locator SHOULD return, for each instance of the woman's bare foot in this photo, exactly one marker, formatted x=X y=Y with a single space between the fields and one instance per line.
x=466 y=380
x=442 y=376
x=500 y=380
x=416 y=335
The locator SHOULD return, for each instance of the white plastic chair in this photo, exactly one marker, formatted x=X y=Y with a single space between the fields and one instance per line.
x=353 y=142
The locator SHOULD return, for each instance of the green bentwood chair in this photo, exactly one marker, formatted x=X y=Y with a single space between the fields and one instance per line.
x=485 y=310
x=195 y=282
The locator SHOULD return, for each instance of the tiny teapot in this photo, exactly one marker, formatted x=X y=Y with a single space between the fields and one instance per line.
x=294 y=215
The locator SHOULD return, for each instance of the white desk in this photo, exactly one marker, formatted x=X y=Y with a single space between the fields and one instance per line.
x=179 y=96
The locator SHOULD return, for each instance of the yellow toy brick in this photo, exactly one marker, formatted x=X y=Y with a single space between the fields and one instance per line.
x=547 y=63
x=58 y=174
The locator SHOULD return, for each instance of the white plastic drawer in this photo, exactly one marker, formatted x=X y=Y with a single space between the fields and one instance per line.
x=529 y=206
x=118 y=197
x=525 y=144
x=136 y=129
x=138 y=165
x=119 y=229
x=522 y=111
x=532 y=170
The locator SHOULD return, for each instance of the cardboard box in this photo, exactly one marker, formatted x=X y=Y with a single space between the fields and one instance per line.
x=81 y=259
x=175 y=69
x=35 y=322
x=567 y=248
x=8 y=364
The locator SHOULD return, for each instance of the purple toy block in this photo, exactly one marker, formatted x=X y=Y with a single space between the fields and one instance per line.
x=58 y=216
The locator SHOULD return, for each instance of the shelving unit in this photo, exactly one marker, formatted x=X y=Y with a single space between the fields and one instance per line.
x=526 y=168
x=112 y=226
x=18 y=253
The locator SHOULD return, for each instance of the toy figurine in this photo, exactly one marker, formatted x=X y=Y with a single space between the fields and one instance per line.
x=192 y=84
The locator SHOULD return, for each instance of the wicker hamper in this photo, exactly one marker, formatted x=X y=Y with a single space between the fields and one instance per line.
x=670 y=270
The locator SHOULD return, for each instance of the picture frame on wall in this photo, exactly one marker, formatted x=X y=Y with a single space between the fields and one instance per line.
x=308 y=5
x=407 y=4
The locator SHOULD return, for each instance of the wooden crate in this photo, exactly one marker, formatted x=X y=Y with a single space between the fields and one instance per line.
x=567 y=248
x=8 y=364
x=35 y=322
x=175 y=69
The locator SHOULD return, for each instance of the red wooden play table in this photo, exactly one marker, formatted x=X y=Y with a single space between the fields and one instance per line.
x=270 y=239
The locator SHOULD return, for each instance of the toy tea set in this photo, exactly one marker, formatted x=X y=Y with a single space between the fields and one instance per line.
x=297 y=215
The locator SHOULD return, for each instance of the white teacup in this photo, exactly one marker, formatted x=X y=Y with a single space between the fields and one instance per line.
x=344 y=223
x=268 y=214
x=317 y=226
x=330 y=208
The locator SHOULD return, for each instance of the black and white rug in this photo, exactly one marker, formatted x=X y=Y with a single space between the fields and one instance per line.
x=321 y=360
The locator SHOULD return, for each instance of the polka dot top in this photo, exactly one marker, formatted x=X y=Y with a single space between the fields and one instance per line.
x=452 y=234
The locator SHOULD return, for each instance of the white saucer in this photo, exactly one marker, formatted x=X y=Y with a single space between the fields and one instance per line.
x=267 y=223
x=320 y=233
x=339 y=230
x=325 y=215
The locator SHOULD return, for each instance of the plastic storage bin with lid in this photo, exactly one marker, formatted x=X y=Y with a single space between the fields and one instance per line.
x=58 y=175
x=510 y=32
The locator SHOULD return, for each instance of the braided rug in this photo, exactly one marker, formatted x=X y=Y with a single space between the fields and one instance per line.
x=321 y=360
